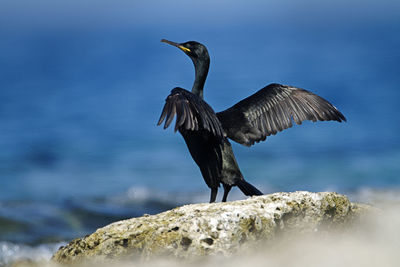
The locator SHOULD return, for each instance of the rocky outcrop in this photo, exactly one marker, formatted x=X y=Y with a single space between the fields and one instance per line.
x=213 y=229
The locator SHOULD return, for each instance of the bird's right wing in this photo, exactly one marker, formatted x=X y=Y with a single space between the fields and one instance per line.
x=192 y=113
x=271 y=110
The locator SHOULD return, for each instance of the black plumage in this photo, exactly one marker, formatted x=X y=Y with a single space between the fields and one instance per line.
x=272 y=110
x=267 y=112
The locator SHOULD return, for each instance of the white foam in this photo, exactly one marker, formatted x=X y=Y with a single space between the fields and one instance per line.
x=11 y=252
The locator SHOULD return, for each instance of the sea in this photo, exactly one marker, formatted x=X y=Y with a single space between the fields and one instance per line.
x=82 y=86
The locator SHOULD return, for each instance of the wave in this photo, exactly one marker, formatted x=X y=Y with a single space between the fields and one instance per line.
x=11 y=252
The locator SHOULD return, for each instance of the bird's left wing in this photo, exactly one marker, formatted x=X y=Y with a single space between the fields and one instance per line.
x=192 y=113
x=271 y=110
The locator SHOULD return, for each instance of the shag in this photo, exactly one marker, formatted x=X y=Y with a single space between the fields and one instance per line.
x=267 y=112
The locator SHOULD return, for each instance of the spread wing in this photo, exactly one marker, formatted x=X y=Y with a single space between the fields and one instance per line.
x=192 y=113
x=271 y=110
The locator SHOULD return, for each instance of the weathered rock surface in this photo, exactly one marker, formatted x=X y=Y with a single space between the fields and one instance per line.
x=210 y=229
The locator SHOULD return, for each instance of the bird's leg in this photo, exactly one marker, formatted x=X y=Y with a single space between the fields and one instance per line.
x=213 y=196
x=227 y=188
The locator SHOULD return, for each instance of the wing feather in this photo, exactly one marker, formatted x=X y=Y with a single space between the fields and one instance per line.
x=271 y=110
x=171 y=111
x=192 y=113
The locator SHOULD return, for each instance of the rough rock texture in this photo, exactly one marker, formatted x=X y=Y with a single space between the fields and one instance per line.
x=213 y=229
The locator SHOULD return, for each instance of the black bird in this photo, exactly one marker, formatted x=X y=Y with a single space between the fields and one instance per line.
x=267 y=112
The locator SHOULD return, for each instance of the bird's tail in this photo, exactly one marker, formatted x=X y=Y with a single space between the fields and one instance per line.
x=248 y=189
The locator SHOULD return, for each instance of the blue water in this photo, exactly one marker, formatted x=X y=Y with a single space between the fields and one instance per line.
x=82 y=87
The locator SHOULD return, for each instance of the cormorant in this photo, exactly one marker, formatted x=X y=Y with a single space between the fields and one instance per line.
x=267 y=112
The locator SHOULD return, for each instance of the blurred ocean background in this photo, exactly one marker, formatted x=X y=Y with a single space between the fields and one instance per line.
x=82 y=85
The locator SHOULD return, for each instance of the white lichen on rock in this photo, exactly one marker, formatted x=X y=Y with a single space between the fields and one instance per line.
x=213 y=229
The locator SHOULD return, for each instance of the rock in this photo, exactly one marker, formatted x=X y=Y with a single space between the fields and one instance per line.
x=213 y=229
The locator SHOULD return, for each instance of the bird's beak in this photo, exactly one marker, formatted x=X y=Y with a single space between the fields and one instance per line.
x=181 y=47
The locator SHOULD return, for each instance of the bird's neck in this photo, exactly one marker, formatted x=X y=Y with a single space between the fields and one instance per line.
x=201 y=71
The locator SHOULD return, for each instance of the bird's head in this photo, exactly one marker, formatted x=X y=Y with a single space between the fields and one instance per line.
x=196 y=51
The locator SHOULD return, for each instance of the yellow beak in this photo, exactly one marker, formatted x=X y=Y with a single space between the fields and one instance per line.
x=181 y=47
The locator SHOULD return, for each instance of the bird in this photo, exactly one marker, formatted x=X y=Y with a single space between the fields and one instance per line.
x=268 y=111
